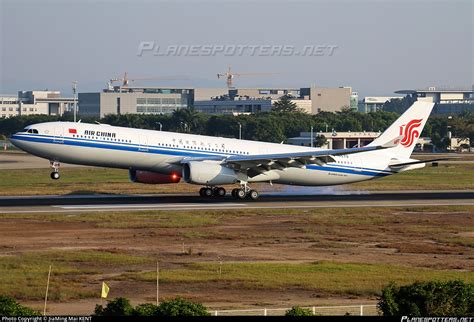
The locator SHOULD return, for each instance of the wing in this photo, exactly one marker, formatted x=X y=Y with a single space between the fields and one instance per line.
x=254 y=165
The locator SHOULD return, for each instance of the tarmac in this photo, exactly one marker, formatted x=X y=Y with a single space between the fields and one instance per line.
x=169 y=202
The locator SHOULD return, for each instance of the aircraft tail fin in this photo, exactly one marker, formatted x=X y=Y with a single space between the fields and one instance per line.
x=407 y=129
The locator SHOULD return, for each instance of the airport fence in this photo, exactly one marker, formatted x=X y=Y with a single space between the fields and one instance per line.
x=362 y=309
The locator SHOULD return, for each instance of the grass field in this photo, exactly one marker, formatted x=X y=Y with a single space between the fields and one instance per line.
x=113 y=181
x=317 y=253
x=73 y=272
x=326 y=277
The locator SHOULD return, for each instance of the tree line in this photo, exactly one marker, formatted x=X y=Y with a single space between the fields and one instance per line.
x=274 y=126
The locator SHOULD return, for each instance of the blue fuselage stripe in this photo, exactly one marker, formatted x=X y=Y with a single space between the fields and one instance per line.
x=178 y=152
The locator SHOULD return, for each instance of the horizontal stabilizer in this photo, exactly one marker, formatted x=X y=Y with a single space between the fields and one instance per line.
x=399 y=165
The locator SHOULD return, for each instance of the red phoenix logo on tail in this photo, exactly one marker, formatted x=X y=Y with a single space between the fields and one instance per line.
x=409 y=132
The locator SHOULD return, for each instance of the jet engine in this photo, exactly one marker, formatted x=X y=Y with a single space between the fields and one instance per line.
x=209 y=173
x=153 y=177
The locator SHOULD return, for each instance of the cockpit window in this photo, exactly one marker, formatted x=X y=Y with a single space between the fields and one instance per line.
x=34 y=131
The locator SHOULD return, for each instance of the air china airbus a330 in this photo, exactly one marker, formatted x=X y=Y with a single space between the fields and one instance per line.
x=158 y=157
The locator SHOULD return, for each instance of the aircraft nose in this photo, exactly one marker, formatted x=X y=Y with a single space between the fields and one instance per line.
x=15 y=141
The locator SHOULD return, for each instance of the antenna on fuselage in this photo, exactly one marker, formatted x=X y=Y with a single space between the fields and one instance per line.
x=97 y=122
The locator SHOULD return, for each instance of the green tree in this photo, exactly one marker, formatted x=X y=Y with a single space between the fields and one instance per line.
x=10 y=307
x=265 y=128
x=298 y=311
x=147 y=309
x=451 y=298
x=189 y=120
x=320 y=140
x=119 y=306
x=181 y=307
x=398 y=105
x=285 y=105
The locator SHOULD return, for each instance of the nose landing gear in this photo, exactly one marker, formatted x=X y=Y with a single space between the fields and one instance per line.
x=55 y=166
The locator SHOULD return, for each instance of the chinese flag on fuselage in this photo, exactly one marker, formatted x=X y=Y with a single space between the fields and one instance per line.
x=73 y=131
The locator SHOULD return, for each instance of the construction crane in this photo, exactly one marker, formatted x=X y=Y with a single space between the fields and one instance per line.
x=126 y=81
x=229 y=75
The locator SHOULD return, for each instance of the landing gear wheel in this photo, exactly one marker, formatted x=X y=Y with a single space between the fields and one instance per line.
x=219 y=192
x=207 y=192
x=201 y=192
x=234 y=192
x=55 y=166
x=240 y=194
x=55 y=175
x=253 y=194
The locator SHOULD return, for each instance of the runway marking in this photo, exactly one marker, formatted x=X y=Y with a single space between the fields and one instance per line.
x=119 y=206
x=243 y=206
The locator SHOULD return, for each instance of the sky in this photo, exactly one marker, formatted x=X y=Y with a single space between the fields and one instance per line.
x=378 y=46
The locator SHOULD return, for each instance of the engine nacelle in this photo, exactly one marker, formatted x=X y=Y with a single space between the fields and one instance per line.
x=209 y=173
x=152 y=177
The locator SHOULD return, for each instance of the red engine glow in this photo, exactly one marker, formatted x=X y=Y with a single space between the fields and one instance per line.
x=152 y=177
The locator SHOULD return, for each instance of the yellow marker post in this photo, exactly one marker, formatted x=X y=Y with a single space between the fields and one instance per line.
x=105 y=290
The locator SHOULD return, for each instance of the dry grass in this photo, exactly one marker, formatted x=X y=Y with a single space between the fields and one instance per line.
x=24 y=276
x=325 y=277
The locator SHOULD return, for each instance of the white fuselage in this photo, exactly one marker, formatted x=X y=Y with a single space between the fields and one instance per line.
x=161 y=152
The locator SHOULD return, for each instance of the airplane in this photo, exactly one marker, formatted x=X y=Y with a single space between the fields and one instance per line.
x=159 y=157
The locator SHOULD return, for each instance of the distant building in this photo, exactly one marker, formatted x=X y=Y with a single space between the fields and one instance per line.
x=249 y=100
x=336 y=140
x=312 y=100
x=375 y=103
x=245 y=106
x=327 y=99
x=204 y=94
x=135 y=100
x=347 y=140
x=164 y=100
x=354 y=101
x=233 y=107
x=459 y=144
x=448 y=100
x=9 y=106
x=35 y=102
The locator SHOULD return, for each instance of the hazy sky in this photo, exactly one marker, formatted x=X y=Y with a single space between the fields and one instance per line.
x=382 y=46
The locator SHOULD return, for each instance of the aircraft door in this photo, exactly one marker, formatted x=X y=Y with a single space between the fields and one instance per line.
x=59 y=135
x=357 y=163
x=143 y=146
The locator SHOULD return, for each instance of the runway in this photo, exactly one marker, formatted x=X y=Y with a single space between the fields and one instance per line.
x=96 y=203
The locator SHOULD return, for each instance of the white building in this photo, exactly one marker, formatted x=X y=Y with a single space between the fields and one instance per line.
x=374 y=103
x=336 y=140
x=8 y=106
x=34 y=102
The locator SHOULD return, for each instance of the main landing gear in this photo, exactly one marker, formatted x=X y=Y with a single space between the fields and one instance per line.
x=55 y=166
x=212 y=192
x=244 y=192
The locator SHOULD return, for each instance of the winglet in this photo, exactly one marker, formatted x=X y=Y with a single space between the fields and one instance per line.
x=393 y=143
